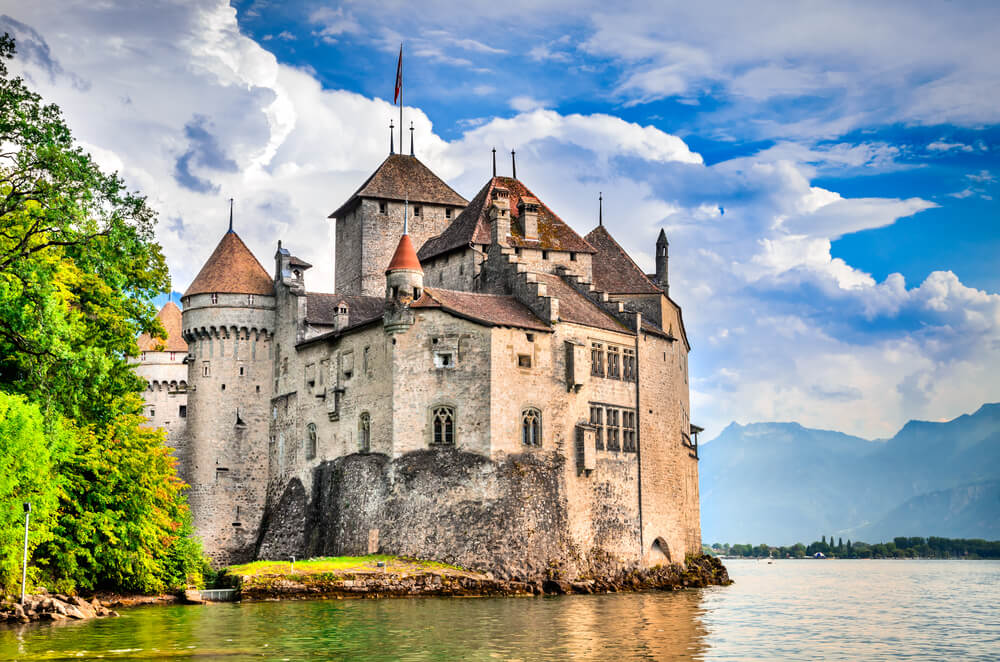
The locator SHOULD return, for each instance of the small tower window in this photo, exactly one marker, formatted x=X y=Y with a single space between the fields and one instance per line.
x=152 y=412
x=243 y=370
x=416 y=293
x=383 y=208
x=531 y=427
x=447 y=212
x=444 y=360
x=524 y=360
x=182 y=411
x=249 y=299
x=545 y=255
x=310 y=441
x=572 y=257
x=173 y=356
x=444 y=426
x=365 y=432
x=416 y=210
x=206 y=370
x=215 y=297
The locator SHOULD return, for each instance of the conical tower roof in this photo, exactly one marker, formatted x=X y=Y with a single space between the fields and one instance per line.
x=405 y=256
x=232 y=269
x=170 y=318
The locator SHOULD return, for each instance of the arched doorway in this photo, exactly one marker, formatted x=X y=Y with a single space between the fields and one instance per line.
x=659 y=552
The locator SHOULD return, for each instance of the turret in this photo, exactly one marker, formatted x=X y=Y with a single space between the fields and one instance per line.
x=228 y=322
x=662 y=246
x=404 y=283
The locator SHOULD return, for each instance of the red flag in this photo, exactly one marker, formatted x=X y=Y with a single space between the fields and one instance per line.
x=399 y=75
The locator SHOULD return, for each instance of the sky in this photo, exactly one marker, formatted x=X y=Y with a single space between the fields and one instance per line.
x=827 y=173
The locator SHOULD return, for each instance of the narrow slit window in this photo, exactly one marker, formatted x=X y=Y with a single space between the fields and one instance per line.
x=365 y=432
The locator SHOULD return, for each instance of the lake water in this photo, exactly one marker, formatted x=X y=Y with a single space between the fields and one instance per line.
x=834 y=610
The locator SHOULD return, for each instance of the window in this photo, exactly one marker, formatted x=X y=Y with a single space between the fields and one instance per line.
x=628 y=365
x=249 y=299
x=523 y=360
x=597 y=359
x=447 y=212
x=416 y=293
x=182 y=411
x=310 y=441
x=364 y=359
x=205 y=369
x=444 y=426
x=365 y=432
x=613 y=419
x=444 y=360
x=517 y=250
x=597 y=420
x=215 y=297
x=383 y=208
x=416 y=210
x=243 y=371
x=572 y=257
x=545 y=255
x=152 y=412
x=173 y=356
x=531 y=427
x=628 y=431
x=614 y=364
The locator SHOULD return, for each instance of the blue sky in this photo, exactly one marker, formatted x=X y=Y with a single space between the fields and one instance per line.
x=827 y=173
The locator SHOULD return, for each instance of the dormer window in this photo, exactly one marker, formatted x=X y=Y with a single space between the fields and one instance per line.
x=383 y=207
x=342 y=310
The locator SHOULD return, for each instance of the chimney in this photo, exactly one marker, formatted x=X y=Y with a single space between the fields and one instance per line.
x=341 y=316
x=500 y=216
x=662 y=246
x=527 y=208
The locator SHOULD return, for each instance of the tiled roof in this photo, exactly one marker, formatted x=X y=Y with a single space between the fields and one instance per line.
x=578 y=309
x=614 y=270
x=298 y=262
x=489 y=309
x=401 y=177
x=404 y=257
x=321 y=308
x=473 y=225
x=232 y=269
x=170 y=318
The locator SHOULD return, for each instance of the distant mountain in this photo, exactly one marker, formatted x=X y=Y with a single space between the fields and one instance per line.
x=781 y=483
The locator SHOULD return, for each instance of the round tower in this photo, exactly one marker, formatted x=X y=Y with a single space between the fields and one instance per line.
x=228 y=323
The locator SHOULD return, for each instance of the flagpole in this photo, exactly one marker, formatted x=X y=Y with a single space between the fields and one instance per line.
x=401 y=98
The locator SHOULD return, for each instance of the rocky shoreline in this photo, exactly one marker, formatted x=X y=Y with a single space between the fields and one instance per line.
x=698 y=573
x=45 y=607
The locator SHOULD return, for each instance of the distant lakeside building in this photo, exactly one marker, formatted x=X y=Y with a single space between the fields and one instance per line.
x=484 y=387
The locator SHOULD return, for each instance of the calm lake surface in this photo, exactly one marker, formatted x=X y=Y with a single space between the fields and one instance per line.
x=835 y=610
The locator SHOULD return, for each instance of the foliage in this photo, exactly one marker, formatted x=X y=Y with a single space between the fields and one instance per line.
x=124 y=521
x=78 y=264
x=79 y=268
x=899 y=548
x=29 y=451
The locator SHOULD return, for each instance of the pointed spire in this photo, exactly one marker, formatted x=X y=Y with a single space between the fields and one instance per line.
x=392 y=146
x=662 y=239
x=230 y=214
x=494 y=161
x=513 y=165
x=411 y=138
x=600 y=208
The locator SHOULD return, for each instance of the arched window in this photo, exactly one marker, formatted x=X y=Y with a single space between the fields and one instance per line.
x=531 y=427
x=310 y=441
x=444 y=425
x=365 y=432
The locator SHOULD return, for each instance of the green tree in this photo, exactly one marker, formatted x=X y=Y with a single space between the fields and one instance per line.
x=29 y=453
x=78 y=264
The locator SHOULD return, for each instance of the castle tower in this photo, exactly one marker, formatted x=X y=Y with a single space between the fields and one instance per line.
x=228 y=322
x=162 y=364
x=662 y=246
x=371 y=220
x=404 y=283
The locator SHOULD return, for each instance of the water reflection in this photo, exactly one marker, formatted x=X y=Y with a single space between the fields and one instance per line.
x=627 y=626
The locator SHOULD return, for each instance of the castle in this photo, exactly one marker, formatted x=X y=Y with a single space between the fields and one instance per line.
x=483 y=387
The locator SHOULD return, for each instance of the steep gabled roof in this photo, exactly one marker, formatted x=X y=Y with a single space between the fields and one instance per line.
x=170 y=318
x=614 y=270
x=578 y=309
x=488 y=309
x=231 y=269
x=473 y=225
x=321 y=308
x=401 y=177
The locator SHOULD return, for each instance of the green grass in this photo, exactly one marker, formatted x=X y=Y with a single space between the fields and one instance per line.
x=337 y=564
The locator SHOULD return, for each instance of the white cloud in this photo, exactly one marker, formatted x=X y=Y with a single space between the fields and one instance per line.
x=942 y=146
x=781 y=328
x=525 y=104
